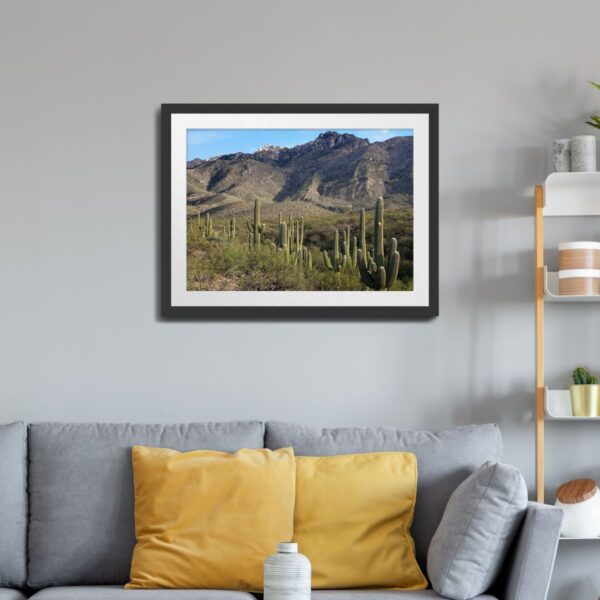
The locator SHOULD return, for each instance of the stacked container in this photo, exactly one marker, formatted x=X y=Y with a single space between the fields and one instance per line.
x=579 y=268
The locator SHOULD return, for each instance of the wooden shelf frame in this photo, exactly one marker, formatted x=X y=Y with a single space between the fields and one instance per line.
x=540 y=388
x=562 y=195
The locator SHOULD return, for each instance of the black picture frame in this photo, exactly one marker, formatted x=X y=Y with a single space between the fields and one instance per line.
x=168 y=310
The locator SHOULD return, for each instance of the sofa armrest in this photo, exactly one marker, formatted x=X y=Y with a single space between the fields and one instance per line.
x=531 y=560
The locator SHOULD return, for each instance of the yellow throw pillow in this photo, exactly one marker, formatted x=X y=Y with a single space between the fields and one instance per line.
x=352 y=520
x=208 y=519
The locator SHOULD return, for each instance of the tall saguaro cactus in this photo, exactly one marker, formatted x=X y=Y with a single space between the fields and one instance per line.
x=256 y=228
x=349 y=248
x=377 y=271
x=303 y=258
x=337 y=261
x=283 y=240
x=362 y=240
x=231 y=227
x=206 y=225
x=378 y=233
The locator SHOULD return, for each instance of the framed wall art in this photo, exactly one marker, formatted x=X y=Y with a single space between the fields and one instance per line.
x=290 y=211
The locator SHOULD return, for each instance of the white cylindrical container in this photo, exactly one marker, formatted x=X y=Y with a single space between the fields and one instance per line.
x=581 y=513
x=287 y=574
x=583 y=153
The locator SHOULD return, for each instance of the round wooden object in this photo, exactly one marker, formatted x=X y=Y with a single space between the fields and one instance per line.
x=576 y=490
x=579 y=255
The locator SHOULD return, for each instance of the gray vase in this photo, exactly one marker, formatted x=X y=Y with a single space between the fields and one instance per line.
x=561 y=156
x=583 y=153
x=287 y=574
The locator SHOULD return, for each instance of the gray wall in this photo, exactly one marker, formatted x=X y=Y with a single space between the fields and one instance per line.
x=81 y=84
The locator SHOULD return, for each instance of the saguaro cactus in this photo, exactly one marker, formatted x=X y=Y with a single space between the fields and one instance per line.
x=206 y=225
x=376 y=271
x=378 y=233
x=283 y=240
x=349 y=247
x=230 y=231
x=362 y=240
x=337 y=261
x=300 y=234
x=256 y=228
x=306 y=258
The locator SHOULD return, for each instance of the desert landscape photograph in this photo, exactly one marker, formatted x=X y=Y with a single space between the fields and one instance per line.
x=299 y=210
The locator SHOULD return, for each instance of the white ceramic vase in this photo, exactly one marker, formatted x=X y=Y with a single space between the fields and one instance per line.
x=287 y=574
x=581 y=519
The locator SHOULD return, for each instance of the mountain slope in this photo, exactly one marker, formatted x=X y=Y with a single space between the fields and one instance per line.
x=333 y=173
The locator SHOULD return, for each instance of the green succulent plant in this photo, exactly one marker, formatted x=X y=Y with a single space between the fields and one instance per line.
x=582 y=376
x=594 y=119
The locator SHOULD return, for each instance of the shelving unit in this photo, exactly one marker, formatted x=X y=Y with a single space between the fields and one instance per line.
x=562 y=195
x=571 y=195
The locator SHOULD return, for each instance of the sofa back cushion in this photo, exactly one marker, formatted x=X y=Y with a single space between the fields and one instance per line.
x=444 y=460
x=13 y=505
x=82 y=528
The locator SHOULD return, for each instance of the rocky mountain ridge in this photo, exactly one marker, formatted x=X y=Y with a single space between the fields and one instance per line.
x=336 y=172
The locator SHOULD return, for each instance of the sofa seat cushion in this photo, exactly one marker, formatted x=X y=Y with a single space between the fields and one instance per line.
x=444 y=460
x=109 y=592
x=81 y=505
x=381 y=595
x=10 y=594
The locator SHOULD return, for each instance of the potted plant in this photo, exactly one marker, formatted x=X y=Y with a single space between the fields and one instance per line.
x=594 y=119
x=585 y=394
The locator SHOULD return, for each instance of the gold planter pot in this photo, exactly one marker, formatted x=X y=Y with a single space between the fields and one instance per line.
x=585 y=400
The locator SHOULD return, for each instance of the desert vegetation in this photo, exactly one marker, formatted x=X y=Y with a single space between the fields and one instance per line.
x=350 y=251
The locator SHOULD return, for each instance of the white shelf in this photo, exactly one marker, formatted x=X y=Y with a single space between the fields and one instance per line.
x=577 y=539
x=558 y=407
x=572 y=195
x=551 y=290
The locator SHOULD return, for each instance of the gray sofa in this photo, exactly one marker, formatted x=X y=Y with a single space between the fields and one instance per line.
x=68 y=513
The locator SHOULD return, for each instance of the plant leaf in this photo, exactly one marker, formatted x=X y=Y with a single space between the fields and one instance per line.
x=596 y=85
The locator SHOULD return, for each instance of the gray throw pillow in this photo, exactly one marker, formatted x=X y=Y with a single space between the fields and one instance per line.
x=475 y=533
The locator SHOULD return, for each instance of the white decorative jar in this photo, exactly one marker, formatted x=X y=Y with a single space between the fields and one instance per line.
x=580 y=502
x=287 y=574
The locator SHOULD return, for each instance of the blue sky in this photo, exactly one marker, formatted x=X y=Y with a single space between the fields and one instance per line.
x=206 y=143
